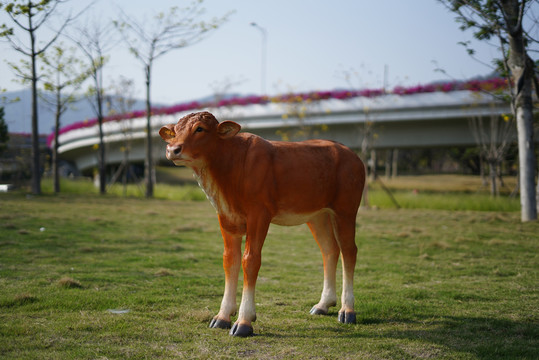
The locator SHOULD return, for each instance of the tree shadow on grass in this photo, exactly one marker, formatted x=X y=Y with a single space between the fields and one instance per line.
x=484 y=338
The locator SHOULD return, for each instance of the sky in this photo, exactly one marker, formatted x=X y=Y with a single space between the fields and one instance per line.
x=311 y=45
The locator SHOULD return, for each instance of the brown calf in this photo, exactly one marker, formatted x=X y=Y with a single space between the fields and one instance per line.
x=253 y=182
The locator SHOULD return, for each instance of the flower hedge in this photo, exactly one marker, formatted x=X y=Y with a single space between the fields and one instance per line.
x=492 y=84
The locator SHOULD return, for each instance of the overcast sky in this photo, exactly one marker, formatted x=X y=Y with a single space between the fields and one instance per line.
x=309 y=46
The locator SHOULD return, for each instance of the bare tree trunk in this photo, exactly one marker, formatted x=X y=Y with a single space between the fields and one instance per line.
x=523 y=109
x=388 y=164
x=484 y=181
x=373 y=163
x=55 y=171
x=394 y=166
x=528 y=201
x=522 y=72
x=537 y=194
x=493 y=174
x=148 y=166
x=365 y=198
x=126 y=169
x=500 y=174
x=102 y=167
x=36 y=168
x=102 y=164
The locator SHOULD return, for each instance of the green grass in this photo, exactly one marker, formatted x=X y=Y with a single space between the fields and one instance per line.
x=187 y=192
x=441 y=192
x=429 y=284
x=408 y=199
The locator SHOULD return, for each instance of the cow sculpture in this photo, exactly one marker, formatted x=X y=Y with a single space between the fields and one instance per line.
x=253 y=182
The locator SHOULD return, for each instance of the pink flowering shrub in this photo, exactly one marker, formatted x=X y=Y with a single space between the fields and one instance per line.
x=493 y=84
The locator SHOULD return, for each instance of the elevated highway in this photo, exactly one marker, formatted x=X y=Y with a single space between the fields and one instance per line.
x=431 y=119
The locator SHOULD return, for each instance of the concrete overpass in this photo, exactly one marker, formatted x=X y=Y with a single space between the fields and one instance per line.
x=432 y=119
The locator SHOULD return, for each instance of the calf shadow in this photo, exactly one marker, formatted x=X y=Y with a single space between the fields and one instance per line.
x=484 y=338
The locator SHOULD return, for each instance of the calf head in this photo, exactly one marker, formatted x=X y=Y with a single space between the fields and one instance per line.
x=195 y=137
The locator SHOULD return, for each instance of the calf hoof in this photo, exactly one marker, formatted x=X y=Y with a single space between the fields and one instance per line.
x=347 y=317
x=241 y=330
x=317 y=311
x=220 y=324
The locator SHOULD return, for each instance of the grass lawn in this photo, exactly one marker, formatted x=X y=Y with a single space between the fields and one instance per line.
x=90 y=277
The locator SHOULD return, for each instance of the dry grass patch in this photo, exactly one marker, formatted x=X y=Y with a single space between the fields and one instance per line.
x=70 y=283
x=200 y=315
x=164 y=272
x=445 y=183
x=440 y=245
x=24 y=298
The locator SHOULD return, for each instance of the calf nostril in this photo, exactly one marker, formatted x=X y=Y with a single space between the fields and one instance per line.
x=177 y=150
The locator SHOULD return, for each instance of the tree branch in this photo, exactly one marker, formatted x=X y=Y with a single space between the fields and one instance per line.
x=46 y=13
x=14 y=19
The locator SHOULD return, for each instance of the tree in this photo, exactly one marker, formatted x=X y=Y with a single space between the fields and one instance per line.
x=367 y=153
x=4 y=135
x=30 y=17
x=503 y=20
x=149 y=40
x=296 y=110
x=95 y=40
x=493 y=141
x=63 y=75
x=122 y=102
x=222 y=89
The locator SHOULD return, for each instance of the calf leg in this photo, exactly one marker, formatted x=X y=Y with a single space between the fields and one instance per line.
x=257 y=229
x=322 y=230
x=345 y=234
x=231 y=265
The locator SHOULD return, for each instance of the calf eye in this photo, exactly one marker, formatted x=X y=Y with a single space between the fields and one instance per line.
x=199 y=129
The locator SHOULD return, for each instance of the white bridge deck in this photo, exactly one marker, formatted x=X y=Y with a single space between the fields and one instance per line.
x=436 y=119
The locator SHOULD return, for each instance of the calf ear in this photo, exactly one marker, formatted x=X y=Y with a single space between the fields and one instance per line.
x=167 y=132
x=227 y=129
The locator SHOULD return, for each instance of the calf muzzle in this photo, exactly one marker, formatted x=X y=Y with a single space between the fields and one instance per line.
x=173 y=150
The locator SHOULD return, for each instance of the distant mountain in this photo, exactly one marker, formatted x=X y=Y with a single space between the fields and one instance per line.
x=18 y=115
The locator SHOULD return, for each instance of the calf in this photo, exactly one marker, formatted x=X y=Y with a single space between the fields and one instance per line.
x=253 y=182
